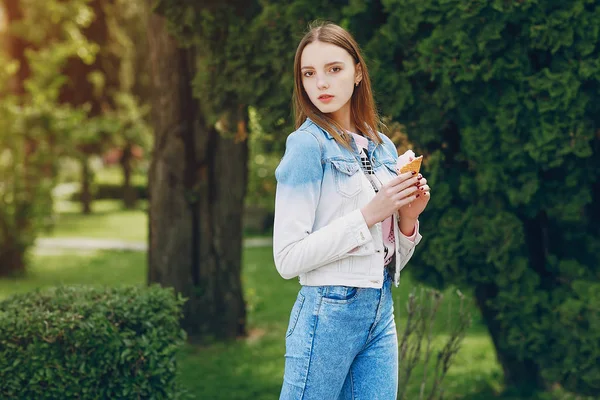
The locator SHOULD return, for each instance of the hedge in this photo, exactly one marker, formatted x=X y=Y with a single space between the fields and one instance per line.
x=90 y=343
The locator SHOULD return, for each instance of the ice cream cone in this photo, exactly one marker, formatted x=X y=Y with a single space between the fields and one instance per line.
x=414 y=165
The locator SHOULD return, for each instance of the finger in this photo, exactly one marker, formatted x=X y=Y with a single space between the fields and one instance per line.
x=424 y=188
x=401 y=178
x=411 y=190
x=423 y=194
x=407 y=184
x=400 y=182
x=407 y=200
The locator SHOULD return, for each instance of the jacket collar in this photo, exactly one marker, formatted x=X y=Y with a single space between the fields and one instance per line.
x=309 y=121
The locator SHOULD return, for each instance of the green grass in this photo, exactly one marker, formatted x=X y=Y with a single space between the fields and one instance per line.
x=109 y=220
x=79 y=267
x=114 y=175
x=252 y=368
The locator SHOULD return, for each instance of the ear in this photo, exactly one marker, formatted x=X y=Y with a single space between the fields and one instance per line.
x=358 y=74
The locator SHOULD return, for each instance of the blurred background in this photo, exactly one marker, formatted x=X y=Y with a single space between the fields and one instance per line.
x=138 y=146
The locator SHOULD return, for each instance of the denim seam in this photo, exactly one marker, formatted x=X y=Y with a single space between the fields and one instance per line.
x=352 y=384
x=312 y=343
x=320 y=146
x=377 y=317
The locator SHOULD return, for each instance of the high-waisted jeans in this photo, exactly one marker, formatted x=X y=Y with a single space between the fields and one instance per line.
x=341 y=343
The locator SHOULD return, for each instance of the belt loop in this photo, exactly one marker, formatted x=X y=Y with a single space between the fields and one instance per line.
x=323 y=291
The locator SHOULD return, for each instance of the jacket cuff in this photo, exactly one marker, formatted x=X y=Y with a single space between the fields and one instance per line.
x=407 y=243
x=414 y=235
x=356 y=224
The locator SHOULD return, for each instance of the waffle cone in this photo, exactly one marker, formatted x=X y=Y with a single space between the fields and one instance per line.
x=414 y=165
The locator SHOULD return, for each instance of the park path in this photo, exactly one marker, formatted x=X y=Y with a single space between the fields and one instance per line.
x=78 y=243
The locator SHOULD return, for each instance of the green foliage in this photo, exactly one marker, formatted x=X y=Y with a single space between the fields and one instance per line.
x=245 y=52
x=89 y=343
x=34 y=127
x=503 y=99
x=261 y=165
x=37 y=126
x=117 y=116
x=126 y=23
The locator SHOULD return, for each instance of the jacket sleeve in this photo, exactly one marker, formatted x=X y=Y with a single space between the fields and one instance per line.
x=407 y=245
x=297 y=248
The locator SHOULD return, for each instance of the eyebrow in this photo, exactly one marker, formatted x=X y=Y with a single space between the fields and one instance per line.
x=326 y=65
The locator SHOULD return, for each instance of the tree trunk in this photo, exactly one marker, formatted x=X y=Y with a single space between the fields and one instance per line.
x=16 y=48
x=15 y=225
x=521 y=375
x=86 y=193
x=129 y=193
x=12 y=255
x=197 y=185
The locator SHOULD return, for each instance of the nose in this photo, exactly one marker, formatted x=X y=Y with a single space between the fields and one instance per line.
x=322 y=83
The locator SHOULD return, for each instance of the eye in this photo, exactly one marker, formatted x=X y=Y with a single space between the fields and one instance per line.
x=307 y=74
x=336 y=69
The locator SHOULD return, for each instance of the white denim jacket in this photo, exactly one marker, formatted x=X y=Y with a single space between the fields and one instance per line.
x=320 y=234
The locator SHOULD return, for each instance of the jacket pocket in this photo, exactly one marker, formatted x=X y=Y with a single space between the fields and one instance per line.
x=347 y=181
x=295 y=314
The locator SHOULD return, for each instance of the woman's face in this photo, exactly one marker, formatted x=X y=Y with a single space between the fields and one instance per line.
x=328 y=76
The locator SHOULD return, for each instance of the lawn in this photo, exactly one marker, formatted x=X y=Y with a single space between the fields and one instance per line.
x=109 y=220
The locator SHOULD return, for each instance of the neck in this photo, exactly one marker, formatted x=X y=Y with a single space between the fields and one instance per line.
x=342 y=117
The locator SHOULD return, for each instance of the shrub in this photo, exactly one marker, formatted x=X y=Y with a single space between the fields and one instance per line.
x=418 y=345
x=90 y=343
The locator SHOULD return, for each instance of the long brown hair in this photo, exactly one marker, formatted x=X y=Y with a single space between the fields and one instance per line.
x=362 y=106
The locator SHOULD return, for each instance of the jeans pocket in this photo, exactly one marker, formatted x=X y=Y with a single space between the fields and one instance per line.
x=295 y=314
x=340 y=294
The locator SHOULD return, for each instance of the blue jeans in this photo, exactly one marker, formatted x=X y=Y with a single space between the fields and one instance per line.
x=341 y=343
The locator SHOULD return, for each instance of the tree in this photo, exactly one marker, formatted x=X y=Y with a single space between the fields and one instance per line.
x=196 y=184
x=33 y=126
x=503 y=100
x=128 y=43
x=88 y=84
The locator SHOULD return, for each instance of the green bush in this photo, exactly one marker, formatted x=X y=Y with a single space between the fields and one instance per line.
x=90 y=343
x=502 y=98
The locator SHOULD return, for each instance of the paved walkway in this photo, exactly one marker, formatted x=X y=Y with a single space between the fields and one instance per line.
x=78 y=243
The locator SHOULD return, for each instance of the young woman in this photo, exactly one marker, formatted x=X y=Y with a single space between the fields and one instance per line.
x=345 y=224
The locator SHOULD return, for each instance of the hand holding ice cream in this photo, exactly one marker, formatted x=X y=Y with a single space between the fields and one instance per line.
x=409 y=162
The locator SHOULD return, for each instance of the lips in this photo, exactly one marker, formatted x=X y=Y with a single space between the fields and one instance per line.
x=325 y=98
